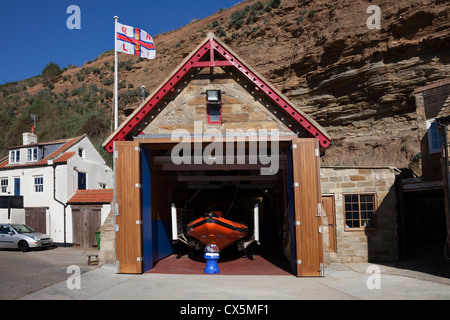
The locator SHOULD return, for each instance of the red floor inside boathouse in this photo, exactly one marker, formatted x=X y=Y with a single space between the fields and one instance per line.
x=231 y=264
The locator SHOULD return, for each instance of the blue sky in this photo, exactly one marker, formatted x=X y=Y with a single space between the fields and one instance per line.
x=35 y=32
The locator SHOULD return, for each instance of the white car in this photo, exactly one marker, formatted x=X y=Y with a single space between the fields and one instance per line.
x=20 y=236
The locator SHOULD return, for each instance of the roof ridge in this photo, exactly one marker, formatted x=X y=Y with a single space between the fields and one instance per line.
x=47 y=142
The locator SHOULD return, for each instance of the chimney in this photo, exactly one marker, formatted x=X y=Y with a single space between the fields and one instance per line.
x=29 y=138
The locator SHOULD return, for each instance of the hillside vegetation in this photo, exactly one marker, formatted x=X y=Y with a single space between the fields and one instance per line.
x=356 y=82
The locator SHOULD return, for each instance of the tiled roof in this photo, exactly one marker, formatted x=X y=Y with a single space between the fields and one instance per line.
x=58 y=156
x=92 y=196
x=64 y=157
x=445 y=111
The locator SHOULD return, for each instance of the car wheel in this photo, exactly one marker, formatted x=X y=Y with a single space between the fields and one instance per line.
x=23 y=245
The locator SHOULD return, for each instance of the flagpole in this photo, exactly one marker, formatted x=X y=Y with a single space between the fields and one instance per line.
x=116 y=104
x=115 y=205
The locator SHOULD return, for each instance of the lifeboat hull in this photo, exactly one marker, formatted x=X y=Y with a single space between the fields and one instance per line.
x=212 y=229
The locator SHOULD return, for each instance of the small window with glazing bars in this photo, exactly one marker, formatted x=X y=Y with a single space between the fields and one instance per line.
x=39 y=184
x=359 y=210
x=3 y=185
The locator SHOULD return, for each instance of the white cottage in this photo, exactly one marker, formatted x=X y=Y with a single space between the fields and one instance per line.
x=38 y=179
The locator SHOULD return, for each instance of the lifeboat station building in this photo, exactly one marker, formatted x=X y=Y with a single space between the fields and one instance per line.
x=216 y=136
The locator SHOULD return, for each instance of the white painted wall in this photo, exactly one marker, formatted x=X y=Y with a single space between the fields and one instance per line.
x=59 y=227
x=17 y=216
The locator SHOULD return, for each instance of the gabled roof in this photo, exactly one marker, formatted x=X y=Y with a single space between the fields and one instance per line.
x=444 y=114
x=92 y=196
x=59 y=156
x=214 y=46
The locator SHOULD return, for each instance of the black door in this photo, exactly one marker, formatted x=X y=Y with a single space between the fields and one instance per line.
x=81 y=181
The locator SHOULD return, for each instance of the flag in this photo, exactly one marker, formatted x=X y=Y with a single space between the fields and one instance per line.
x=134 y=41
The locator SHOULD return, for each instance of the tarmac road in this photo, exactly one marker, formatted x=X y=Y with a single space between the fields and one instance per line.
x=24 y=273
x=42 y=275
x=347 y=283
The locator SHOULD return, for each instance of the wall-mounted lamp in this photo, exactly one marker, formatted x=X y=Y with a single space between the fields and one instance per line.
x=213 y=96
x=214 y=106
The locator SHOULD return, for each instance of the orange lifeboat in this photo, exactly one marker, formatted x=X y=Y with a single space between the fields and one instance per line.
x=213 y=229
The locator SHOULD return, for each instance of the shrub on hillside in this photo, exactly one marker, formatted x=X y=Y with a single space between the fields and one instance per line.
x=50 y=72
x=94 y=126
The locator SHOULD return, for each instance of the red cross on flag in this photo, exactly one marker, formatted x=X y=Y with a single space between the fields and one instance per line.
x=134 y=41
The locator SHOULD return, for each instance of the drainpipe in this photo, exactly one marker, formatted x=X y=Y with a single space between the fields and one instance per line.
x=447 y=171
x=441 y=123
x=62 y=203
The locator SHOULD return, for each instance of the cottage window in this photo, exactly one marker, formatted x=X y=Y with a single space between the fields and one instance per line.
x=32 y=154
x=3 y=185
x=434 y=137
x=39 y=184
x=359 y=210
x=14 y=156
x=81 y=153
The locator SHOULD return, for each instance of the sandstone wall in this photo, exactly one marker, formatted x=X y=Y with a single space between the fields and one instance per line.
x=107 y=254
x=243 y=109
x=374 y=244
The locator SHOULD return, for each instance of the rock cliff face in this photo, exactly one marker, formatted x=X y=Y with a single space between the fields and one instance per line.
x=355 y=81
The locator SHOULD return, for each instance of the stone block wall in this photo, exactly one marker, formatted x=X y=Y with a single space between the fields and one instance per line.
x=107 y=255
x=371 y=244
x=243 y=107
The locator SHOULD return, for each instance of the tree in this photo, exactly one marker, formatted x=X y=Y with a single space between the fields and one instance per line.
x=50 y=72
